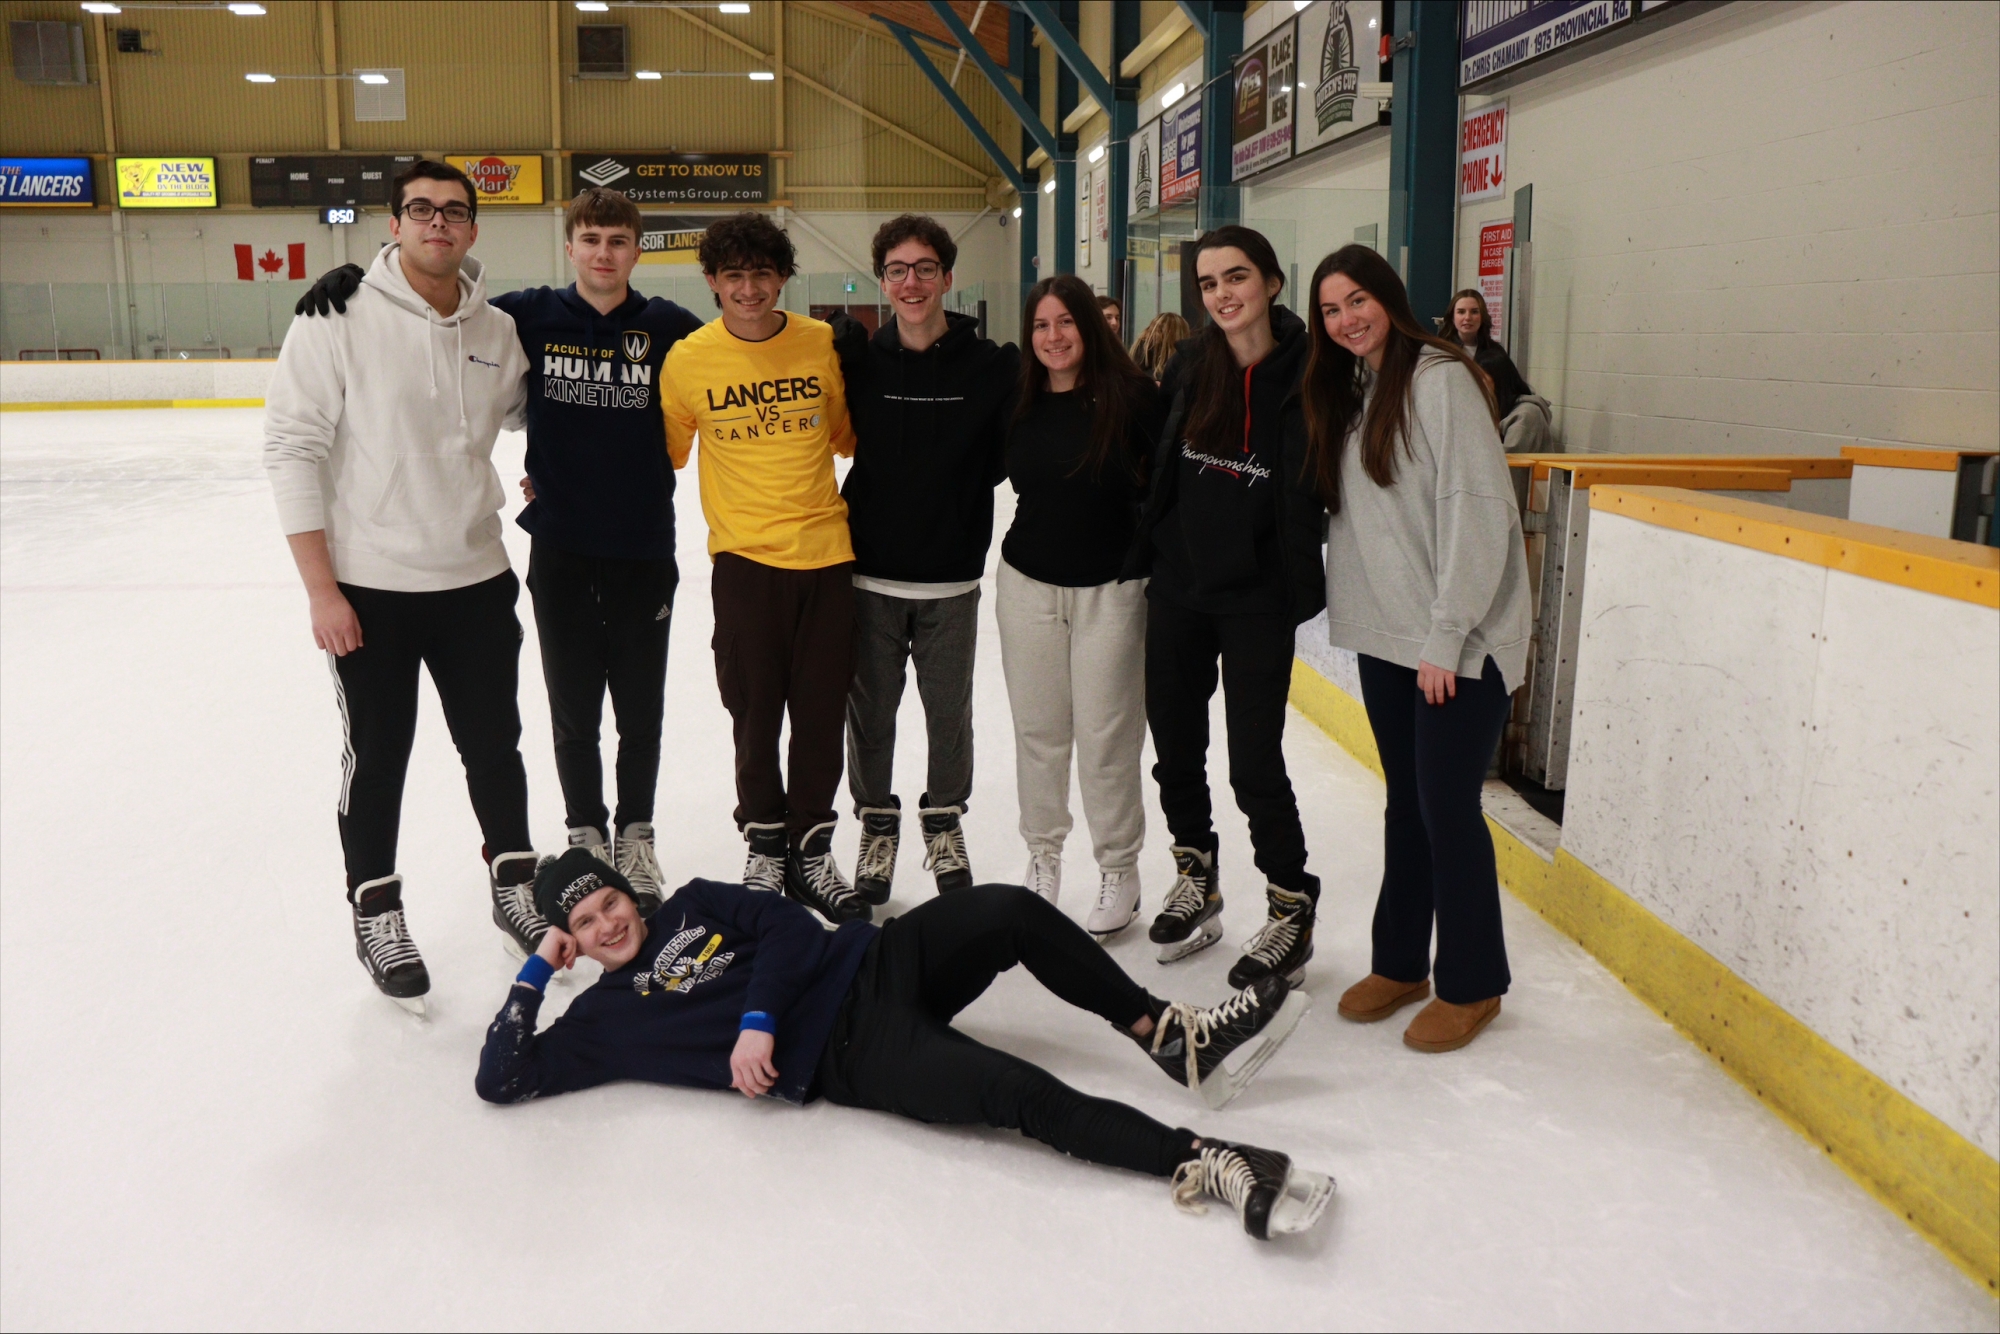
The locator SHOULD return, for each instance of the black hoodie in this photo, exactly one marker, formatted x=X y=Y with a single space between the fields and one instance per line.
x=931 y=431
x=1229 y=526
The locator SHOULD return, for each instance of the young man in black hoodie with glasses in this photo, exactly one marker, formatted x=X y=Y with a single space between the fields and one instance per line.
x=929 y=399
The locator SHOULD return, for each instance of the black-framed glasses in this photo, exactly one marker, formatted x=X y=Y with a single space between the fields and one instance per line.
x=926 y=269
x=423 y=210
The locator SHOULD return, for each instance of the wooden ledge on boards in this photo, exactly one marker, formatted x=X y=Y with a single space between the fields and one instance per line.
x=1593 y=474
x=1937 y=565
x=1799 y=467
x=1923 y=458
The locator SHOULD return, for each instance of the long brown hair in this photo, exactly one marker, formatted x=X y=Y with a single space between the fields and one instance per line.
x=1214 y=380
x=1485 y=334
x=1332 y=387
x=1115 y=387
x=1156 y=346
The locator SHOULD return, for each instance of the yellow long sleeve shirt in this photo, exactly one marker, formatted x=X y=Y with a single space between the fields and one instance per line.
x=771 y=416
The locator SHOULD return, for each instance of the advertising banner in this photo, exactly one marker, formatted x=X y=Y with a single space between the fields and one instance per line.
x=1145 y=171
x=1340 y=48
x=671 y=239
x=324 y=182
x=1495 y=240
x=1180 y=151
x=1495 y=36
x=1265 y=99
x=501 y=178
x=1084 y=189
x=1482 y=153
x=167 y=182
x=677 y=178
x=1100 y=202
x=42 y=182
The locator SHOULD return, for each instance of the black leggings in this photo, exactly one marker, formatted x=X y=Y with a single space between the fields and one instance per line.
x=603 y=623
x=471 y=642
x=893 y=1048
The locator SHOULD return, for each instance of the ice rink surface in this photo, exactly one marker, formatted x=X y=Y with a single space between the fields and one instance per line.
x=208 y=1117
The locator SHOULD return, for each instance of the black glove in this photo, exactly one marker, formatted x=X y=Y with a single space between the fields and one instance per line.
x=332 y=291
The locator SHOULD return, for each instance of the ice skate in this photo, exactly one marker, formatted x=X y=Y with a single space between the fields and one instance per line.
x=591 y=842
x=1217 y=1051
x=1044 y=874
x=944 y=847
x=1283 y=944
x=382 y=942
x=638 y=863
x=511 y=877
x=1269 y=1194
x=1117 y=903
x=764 y=868
x=881 y=839
x=1191 y=918
x=813 y=878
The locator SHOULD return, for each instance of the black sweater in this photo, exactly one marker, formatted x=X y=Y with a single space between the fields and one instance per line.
x=930 y=430
x=1508 y=386
x=597 y=444
x=1231 y=527
x=712 y=954
x=1071 y=526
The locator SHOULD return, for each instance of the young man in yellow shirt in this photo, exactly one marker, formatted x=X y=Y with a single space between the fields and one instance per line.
x=763 y=390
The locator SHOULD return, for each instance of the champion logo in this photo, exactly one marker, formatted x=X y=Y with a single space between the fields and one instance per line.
x=637 y=344
x=605 y=172
x=477 y=361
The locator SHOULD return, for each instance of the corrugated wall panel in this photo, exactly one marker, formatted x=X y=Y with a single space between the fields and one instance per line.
x=192 y=98
x=695 y=115
x=45 y=118
x=475 y=76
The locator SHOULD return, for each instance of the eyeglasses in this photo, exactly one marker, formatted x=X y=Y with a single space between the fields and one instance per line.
x=423 y=210
x=926 y=269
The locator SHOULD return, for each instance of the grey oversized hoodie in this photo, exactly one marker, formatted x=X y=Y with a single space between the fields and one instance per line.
x=379 y=428
x=1433 y=567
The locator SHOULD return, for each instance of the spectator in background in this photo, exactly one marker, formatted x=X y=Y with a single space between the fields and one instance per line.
x=1524 y=415
x=1156 y=345
x=1114 y=315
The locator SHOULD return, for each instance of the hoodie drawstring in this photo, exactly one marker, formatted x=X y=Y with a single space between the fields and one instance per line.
x=458 y=326
x=430 y=347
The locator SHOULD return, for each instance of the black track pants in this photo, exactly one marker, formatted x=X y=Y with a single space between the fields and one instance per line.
x=893 y=1048
x=1437 y=855
x=602 y=625
x=470 y=641
x=1183 y=649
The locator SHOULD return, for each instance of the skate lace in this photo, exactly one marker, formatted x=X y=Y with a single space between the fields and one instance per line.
x=823 y=877
x=765 y=873
x=1108 y=885
x=517 y=905
x=1042 y=874
x=387 y=940
x=945 y=850
x=1221 y=1173
x=878 y=857
x=638 y=863
x=1185 y=899
x=1274 y=940
x=1200 y=1026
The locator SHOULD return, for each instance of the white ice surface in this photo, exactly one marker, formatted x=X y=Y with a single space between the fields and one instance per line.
x=209 y=1118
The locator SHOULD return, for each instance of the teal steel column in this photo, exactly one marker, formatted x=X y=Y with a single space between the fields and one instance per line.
x=1020 y=58
x=1124 y=110
x=954 y=101
x=1221 y=22
x=1065 y=164
x=1423 y=152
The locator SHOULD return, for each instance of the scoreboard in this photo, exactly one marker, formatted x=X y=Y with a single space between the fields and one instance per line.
x=324 y=182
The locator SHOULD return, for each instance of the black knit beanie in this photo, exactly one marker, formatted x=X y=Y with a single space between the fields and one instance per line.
x=568 y=880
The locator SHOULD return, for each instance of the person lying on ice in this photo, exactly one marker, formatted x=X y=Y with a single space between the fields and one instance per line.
x=726 y=987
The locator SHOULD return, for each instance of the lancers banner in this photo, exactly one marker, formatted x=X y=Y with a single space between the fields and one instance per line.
x=677 y=178
x=1495 y=36
x=1180 y=151
x=671 y=239
x=43 y=182
x=167 y=182
x=501 y=178
x=1265 y=99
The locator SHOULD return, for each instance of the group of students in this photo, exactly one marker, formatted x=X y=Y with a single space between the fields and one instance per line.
x=1170 y=534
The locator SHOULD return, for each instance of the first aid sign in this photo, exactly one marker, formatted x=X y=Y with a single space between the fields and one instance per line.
x=1482 y=153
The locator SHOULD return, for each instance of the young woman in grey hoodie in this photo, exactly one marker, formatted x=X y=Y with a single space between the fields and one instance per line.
x=1427 y=581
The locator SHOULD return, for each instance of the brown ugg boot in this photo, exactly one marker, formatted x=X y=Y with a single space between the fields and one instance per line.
x=1442 y=1026
x=1377 y=997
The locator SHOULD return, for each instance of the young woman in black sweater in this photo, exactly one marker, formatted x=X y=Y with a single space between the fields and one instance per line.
x=1073 y=638
x=1231 y=536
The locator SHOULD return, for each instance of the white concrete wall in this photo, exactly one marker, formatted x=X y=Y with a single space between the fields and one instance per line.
x=1772 y=228
x=1799 y=769
x=131 y=381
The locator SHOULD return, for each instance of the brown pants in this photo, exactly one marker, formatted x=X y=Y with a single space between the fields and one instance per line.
x=784 y=640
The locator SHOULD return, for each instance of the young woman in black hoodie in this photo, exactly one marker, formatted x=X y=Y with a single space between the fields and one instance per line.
x=1231 y=537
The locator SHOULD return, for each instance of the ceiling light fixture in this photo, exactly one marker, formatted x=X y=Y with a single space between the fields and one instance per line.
x=761 y=76
x=261 y=78
x=1017 y=210
x=645 y=74
x=1172 y=95
x=592 y=6
x=1049 y=186
x=1097 y=153
x=734 y=8
x=373 y=77
x=246 y=10
x=94 y=7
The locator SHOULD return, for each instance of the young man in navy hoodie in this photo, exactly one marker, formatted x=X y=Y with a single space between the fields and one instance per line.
x=601 y=508
x=726 y=987
x=930 y=401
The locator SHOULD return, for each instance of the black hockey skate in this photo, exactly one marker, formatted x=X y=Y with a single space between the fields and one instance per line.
x=1217 y=1051
x=1283 y=944
x=764 y=867
x=382 y=942
x=881 y=838
x=640 y=865
x=1191 y=918
x=813 y=877
x=1271 y=1196
x=511 y=877
x=944 y=846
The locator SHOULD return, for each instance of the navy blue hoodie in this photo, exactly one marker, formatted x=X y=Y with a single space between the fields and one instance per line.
x=713 y=953
x=597 y=444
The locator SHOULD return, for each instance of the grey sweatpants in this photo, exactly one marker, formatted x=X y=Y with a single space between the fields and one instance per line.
x=1075 y=660
x=941 y=635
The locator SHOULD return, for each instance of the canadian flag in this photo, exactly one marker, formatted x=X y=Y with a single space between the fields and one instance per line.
x=251 y=266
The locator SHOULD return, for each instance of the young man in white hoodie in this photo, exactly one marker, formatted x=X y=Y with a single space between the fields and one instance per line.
x=378 y=437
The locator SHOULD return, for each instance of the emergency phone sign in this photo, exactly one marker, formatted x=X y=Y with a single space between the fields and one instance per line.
x=1482 y=153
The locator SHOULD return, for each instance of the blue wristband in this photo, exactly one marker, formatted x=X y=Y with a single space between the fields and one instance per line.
x=758 y=1020
x=536 y=972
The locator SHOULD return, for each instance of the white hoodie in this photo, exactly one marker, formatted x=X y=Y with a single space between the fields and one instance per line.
x=379 y=428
